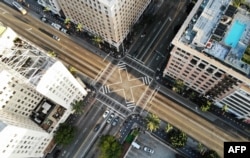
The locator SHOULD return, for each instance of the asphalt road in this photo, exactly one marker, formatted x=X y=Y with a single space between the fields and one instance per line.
x=72 y=53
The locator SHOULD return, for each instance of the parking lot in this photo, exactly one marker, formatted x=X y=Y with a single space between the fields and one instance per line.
x=160 y=149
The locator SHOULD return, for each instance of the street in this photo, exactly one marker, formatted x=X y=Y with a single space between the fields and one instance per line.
x=122 y=86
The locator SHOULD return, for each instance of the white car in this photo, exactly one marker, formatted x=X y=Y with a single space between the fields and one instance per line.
x=105 y=114
x=64 y=30
x=56 y=37
x=110 y=118
x=57 y=26
x=148 y=149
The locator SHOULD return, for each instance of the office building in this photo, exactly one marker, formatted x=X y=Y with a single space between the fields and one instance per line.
x=36 y=94
x=111 y=20
x=209 y=53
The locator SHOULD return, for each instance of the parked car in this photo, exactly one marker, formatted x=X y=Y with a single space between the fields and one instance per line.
x=64 y=30
x=56 y=153
x=97 y=127
x=148 y=149
x=106 y=113
x=110 y=118
x=57 y=26
x=43 y=19
x=115 y=121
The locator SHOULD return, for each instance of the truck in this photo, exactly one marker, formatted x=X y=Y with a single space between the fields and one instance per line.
x=19 y=7
x=49 y=34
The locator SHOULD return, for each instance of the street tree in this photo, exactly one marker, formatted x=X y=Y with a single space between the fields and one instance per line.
x=206 y=106
x=168 y=128
x=110 y=147
x=52 y=53
x=79 y=27
x=65 y=134
x=178 y=86
x=67 y=23
x=224 y=109
x=46 y=9
x=97 y=40
x=72 y=70
x=237 y=3
x=77 y=107
x=153 y=122
x=201 y=148
x=178 y=138
x=211 y=154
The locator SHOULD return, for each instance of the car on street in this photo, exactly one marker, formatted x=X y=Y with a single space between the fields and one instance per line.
x=64 y=30
x=97 y=127
x=56 y=153
x=110 y=118
x=56 y=37
x=148 y=149
x=57 y=26
x=43 y=19
x=115 y=121
x=106 y=113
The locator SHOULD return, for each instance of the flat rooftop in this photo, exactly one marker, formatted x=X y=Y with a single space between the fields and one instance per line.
x=221 y=31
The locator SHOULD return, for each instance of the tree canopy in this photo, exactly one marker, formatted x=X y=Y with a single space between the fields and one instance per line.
x=178 y=138
x=77 y=106
x=211 y=154
x=206 y=106
x=110 y=147
x=153 y=122
x=65 y=134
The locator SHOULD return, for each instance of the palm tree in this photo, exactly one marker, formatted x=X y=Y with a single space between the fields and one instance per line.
x=224 y=109
x=201 y=148
x=52 y=53
x=206 y=107
x=79 y=27
x=97 y=40
x=67 y=23
x=178 y=86
x=46 y=9
x=77 y=107
x=237 y=3
x=153 y=122
x=168 y=128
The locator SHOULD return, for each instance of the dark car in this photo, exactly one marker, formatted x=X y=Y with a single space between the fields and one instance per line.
x=57 y=153
x=97 y=127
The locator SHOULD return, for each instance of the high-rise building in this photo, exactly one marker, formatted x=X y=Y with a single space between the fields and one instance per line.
x=109 y=19
x=210 y=54
x=36 y=94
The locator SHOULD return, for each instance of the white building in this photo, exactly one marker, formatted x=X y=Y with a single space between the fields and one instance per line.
x=36 y=94
x=109 y=19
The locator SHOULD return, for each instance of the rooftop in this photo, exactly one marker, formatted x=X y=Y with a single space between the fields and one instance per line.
x=221 y=31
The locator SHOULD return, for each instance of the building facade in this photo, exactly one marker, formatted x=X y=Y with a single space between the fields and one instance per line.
x=208 y=57
x=36 y=94
x=51 y=5
x=110 y=20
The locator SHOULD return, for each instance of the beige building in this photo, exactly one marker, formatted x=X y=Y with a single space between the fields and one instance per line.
x=109 y=19
x=208 y=51
x=36 y=94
